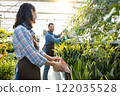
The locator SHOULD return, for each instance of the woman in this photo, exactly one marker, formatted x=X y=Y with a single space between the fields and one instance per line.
x=30 y=59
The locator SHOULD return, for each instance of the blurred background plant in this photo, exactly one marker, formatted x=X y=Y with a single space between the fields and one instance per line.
x=7 y=57
x=44 y=32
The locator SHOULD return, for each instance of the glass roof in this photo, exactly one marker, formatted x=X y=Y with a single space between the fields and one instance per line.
x=48 y=11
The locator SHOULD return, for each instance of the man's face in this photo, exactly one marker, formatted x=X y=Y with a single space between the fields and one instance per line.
x=51 y=28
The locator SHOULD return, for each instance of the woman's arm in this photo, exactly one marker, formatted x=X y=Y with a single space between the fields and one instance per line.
x=48 y=57
x=52 y=58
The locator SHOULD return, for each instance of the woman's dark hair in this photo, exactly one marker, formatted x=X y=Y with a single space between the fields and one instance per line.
x=24 y=15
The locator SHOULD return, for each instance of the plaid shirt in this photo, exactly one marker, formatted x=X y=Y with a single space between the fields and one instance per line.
x=24 y=46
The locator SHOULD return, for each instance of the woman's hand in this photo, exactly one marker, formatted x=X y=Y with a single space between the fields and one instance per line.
x=57 y=67
x=56 y=59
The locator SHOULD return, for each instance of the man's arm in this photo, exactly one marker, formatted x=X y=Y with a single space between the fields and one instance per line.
x=57 y=36
x=53 y=39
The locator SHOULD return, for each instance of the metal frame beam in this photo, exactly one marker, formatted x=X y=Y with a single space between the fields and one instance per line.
x=37 y=19
x=39 y=12
x=47 y=1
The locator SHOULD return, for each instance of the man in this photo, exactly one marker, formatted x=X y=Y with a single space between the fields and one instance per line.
x=50 y=39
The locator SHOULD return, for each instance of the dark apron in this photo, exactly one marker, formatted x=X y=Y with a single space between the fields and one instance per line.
x=49 y=50
x=28 y=70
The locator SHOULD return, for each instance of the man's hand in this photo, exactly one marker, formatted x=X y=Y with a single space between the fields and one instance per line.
x=64 y=35
x=61 y=33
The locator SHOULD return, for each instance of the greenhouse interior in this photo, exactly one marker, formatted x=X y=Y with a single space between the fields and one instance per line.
x=86 y=38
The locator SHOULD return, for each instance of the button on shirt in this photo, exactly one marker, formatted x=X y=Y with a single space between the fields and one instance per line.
x=24 y=46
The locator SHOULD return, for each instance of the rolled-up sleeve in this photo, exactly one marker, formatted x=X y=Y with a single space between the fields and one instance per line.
x=57 y=36
x=26 y=46
x=42 y=53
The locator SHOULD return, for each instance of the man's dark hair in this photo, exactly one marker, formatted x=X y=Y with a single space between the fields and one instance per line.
x=50 y=24
x=24 y=15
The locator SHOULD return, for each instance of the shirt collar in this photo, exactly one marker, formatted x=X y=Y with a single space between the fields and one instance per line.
x=50 y=32
x=31 y=31
x=24 y=24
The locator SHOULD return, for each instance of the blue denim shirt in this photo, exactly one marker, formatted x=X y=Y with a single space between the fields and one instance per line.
x=50 y=37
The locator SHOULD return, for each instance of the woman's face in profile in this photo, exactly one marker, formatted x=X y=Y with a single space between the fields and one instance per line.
x=34 y=14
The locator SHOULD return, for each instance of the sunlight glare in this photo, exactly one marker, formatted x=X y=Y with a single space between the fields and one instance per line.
x=64 y=1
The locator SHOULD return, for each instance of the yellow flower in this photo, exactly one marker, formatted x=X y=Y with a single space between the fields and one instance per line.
x=93 y=62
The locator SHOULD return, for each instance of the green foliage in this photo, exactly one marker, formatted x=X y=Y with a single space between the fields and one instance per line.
x=7 y=68
x=99 y=57
x=3 y=33
x=95 y=18
x=70 y=53
x=7 y=62
x=102 y=64
x=44 y=32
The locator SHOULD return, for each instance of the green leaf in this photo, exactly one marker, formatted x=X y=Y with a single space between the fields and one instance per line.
x=117 y=8
x=99 y=73
x=75 y=74
x=55 y=50
x=108 y=16
x=85 y=75
x=96 y=72
x=111 y=72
